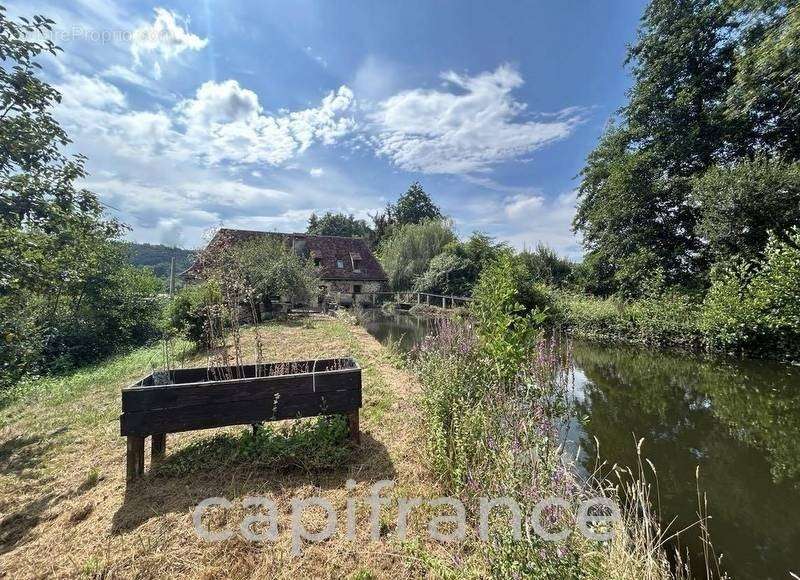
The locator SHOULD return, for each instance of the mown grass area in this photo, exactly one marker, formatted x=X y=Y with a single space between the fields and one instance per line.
x=65 y=509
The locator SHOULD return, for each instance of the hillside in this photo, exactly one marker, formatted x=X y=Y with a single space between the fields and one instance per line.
x=157 y=257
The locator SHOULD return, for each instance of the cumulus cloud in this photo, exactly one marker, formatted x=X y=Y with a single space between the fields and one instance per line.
x=316 y=172
x=222 y=122
x=468 y=130
x=164 y=39
x=225 y=122
x=532 y=220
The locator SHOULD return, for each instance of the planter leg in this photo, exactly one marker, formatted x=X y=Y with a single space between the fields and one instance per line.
x=352 y=425
x=158 y=447
x=135 y=457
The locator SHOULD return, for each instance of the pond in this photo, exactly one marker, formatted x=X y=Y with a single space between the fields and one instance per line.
x=739 y=420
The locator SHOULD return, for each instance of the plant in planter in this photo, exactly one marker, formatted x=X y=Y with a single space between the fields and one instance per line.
x=228 y=391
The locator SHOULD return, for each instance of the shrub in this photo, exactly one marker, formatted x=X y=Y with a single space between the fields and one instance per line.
x=191 y=311
x=755 y=307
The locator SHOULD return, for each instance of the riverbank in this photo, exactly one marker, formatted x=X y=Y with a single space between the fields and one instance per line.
x=65 y=510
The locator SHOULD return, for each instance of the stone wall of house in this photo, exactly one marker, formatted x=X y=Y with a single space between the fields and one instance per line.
x=342 y=290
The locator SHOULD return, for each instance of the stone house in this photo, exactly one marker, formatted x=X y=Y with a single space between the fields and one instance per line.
x=347 y=267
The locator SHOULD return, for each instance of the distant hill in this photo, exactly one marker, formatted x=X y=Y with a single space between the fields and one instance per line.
x=157 y=257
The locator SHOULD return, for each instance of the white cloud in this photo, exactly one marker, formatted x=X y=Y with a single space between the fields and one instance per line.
x=225 y=122
x=316 y=172
x=436 y=131
x=166 y=38
x=534 y=220
x=90 y=92
x=521 y=206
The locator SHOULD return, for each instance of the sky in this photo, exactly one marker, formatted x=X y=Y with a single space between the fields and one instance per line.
x=201 y=114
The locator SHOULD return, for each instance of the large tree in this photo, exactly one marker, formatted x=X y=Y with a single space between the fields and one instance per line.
x=698 y=68
x=338 y=224
x=58 y=269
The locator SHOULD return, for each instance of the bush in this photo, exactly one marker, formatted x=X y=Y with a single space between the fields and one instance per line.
x=755 y=307
x=191 y=311
x=408 y=252
x=670 y=319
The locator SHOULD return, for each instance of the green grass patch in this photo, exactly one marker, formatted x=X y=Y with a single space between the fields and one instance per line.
x=317 y=444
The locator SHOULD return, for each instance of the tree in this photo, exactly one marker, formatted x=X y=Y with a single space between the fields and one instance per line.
x=545 y=266
x=715 y=83
x=58 y=266
x=415 y=206
x=338 y=224
x=456 y=270
x=742 y=203
x=407 y=253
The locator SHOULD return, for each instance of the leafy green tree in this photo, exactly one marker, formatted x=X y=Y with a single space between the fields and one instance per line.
x=408 y=252
x=338 y=224
x=415 y=206
x=740 y=204
x=59 y=271
x=714 y=83
x=767 y=80
x=456 y=270
x=755 y=306
x=545 y=266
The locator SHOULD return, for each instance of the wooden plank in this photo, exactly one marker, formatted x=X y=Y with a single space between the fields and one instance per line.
x=205 y=374
x=220 y=392
x=135 y=457
x=239 y=412
x=353 y=427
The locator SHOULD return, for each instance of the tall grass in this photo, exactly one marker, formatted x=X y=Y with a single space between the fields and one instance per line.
x=494 y=398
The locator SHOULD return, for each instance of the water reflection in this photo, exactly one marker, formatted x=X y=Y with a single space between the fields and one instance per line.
x=738 y=420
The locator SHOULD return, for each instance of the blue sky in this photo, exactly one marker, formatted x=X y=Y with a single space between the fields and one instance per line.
x=198 y=114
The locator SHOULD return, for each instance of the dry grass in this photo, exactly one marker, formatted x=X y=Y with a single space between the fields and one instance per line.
x=65 y=510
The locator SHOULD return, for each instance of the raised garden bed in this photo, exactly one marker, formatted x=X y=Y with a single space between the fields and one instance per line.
x=204 y=398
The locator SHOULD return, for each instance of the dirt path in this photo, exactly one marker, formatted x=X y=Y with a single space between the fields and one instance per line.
x=65 y=510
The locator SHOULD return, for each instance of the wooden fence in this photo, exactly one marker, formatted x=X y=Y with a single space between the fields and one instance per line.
x=412 y=298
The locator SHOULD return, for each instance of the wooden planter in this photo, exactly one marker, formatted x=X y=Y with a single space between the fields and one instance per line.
x=203 y=398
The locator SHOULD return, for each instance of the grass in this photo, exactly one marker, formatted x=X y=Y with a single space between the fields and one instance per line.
x=65 y=510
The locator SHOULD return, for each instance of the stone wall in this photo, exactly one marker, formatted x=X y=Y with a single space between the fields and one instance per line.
x=341 y=291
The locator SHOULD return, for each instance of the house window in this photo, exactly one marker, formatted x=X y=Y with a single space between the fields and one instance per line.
x=318 y=262
x=339 y=263
x=356 y=265
x=356 y=288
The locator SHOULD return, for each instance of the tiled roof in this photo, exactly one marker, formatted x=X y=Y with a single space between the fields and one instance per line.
x=329 y=250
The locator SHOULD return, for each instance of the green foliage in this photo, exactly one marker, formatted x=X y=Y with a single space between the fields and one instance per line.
x=546 y=267
x=506 y=332
x=414 y=207
x=740 y=204
x=670 y=319
x=191 y=310
x=456 y=270
x=755 y=307
x=314 y=445
x=408 y=252
x=338 y=224
x=714 y=82
x=66 y=294
x=158 y=257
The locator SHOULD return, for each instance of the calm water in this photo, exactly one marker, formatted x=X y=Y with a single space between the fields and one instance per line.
x=738 y=420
